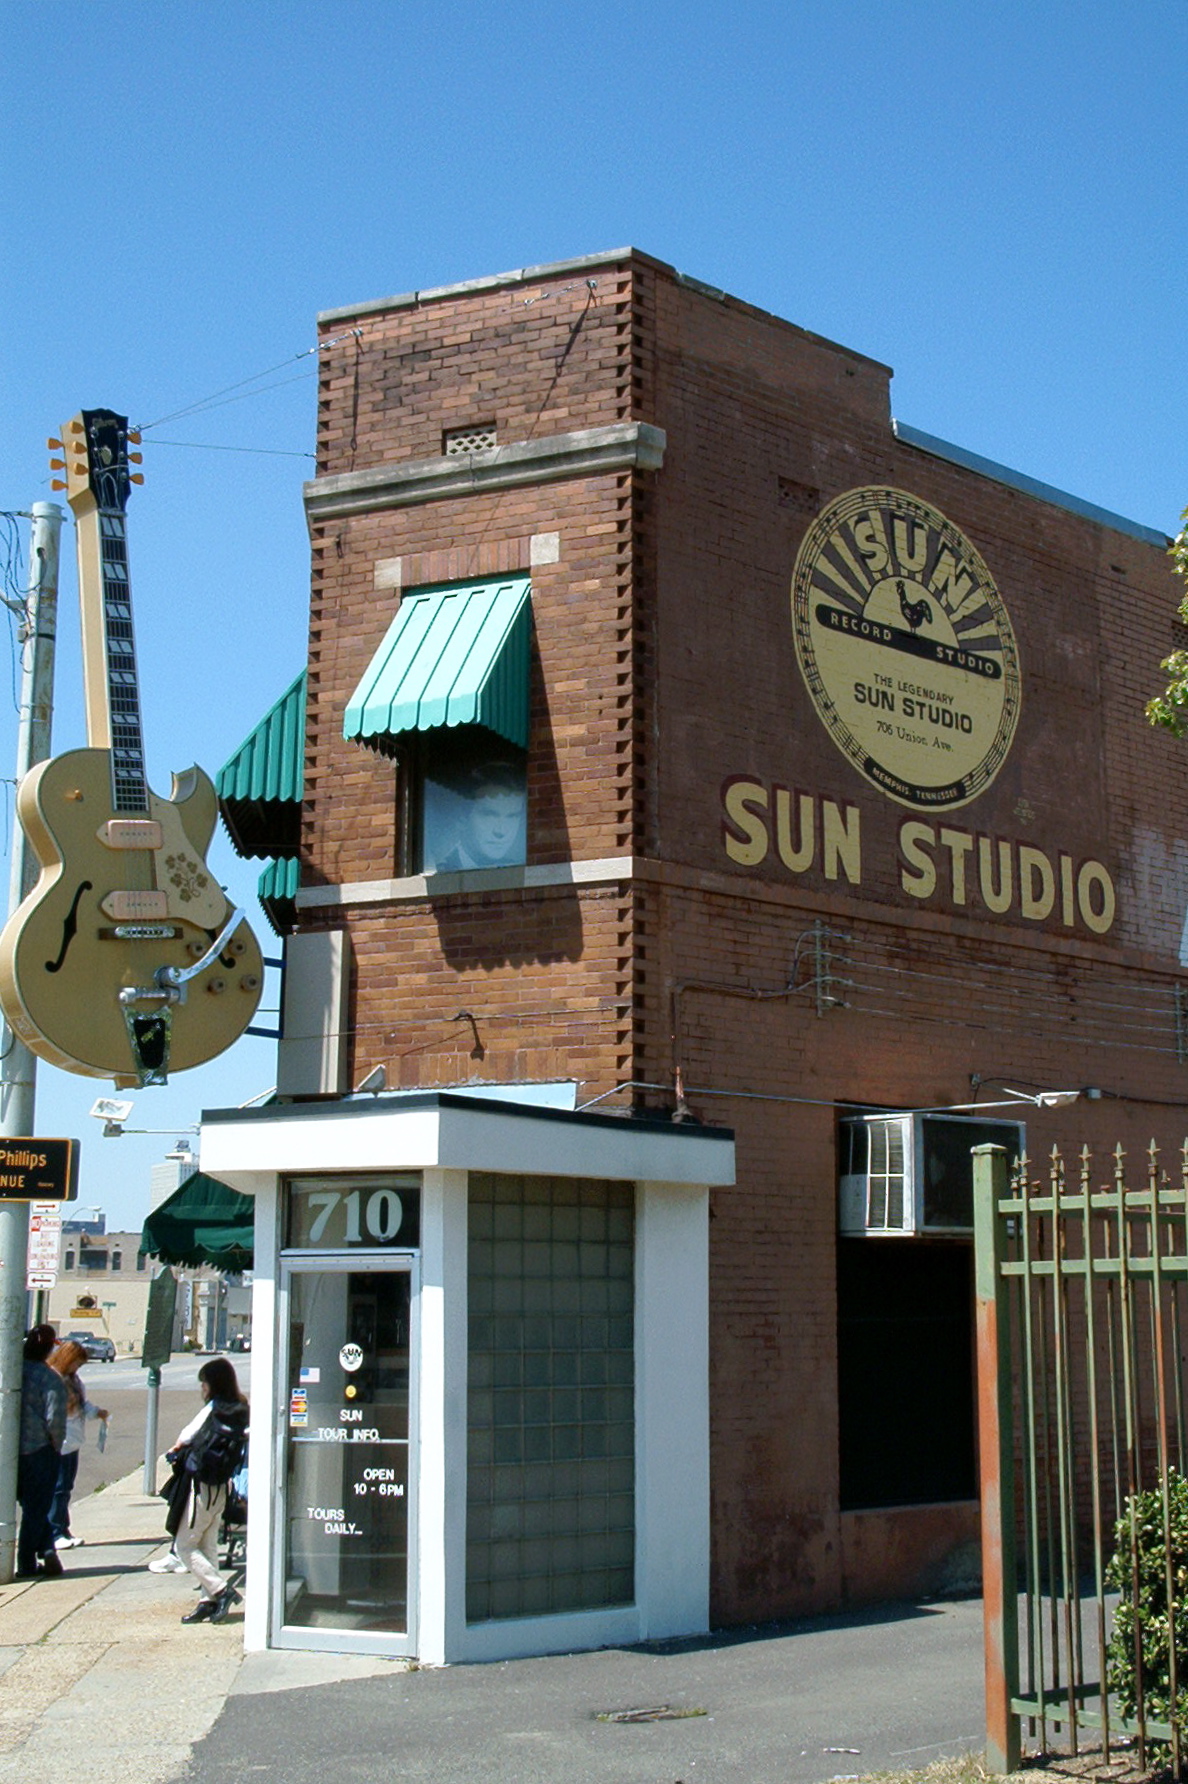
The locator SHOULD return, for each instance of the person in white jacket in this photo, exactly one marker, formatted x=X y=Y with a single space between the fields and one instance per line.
x=67 y=1360
x=196 y=1535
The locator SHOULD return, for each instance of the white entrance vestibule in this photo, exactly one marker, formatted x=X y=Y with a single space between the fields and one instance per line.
x=480 y=1423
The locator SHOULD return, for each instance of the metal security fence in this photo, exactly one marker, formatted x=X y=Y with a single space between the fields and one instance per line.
x=1081 y=1325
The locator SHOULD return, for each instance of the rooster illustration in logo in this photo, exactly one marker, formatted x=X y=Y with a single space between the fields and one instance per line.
x=915 y=612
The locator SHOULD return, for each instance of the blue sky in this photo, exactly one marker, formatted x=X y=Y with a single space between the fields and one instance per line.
x=991 y=203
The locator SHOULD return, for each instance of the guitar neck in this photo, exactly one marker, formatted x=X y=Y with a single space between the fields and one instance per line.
x=129 y=790
x=111 y=685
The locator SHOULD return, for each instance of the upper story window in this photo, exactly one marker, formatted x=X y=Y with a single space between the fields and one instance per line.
x=473 y=803
x=446 y=695
x=69 y=1263
x=117 y=1260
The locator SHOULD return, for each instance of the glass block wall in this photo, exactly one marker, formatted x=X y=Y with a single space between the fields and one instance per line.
x=551 y=1456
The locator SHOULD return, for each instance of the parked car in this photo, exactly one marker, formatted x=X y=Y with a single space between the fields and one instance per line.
x=98 y=1349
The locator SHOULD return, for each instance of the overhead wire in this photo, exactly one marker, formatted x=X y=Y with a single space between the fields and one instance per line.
x=207 y=446
x=216 y=398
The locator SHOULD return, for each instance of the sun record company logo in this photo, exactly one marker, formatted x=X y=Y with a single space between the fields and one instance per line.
x=906 y=648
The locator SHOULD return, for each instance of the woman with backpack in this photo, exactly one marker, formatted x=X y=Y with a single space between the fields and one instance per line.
x=207 y=1453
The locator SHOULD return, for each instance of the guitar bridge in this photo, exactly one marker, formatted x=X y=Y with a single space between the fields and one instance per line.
x=140 y=932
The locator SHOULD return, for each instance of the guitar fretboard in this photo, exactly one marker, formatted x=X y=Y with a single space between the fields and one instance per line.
x=129 y=790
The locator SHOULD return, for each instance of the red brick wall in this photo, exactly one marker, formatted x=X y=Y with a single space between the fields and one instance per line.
x=664 y=664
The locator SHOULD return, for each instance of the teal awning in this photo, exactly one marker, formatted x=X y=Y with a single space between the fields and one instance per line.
x=203 y=1222
x=277 y=892
x=451 y=656
x=261 y=786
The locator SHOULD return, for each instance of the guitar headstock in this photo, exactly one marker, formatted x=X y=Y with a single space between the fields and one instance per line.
x=96 y=460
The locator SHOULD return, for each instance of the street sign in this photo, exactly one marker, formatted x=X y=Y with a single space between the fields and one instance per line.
x=38 y=1170
x=158 y=1324
x=45 y=1239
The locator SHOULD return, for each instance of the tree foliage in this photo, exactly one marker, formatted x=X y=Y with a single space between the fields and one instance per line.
x=1170 y=709
x=1141 y=1579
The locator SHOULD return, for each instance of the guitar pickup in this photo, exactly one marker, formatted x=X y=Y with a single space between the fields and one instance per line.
x=135 y=907
x=140 y=932
x=131 y=833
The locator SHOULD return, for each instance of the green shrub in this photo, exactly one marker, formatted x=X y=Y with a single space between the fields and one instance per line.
x=1150 y=1609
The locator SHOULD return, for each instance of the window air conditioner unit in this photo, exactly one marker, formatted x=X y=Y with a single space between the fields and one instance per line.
x=905 y=1174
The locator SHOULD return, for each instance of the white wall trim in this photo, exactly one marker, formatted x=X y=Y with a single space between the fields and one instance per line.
x=672 y=1476
x=491 y=879
x=518 y=1637
x=264 y=1419
x=588 y=452
x=430 y=1551
x=451 y=1134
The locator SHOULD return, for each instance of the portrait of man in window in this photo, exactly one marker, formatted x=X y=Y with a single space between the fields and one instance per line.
x=473 y=813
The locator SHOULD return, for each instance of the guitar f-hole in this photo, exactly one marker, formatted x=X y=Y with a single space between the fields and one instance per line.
x=69 y=928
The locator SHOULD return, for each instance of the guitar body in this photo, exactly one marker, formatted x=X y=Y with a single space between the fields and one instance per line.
x=125 y=961
x=72 y=948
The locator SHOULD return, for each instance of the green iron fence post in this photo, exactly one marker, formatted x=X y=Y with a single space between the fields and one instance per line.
x=996 y=1448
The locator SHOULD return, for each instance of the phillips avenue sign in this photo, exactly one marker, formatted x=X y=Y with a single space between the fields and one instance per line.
x=38 y=1170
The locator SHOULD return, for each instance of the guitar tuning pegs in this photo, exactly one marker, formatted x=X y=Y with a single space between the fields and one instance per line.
x=136 y=477
x=55 y=445
x=56 y=483
x=136 y=458
x=134 y=438
x=57 y=464
x=75 y=427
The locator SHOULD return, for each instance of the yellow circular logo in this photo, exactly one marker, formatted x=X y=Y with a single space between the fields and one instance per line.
x=906 y=648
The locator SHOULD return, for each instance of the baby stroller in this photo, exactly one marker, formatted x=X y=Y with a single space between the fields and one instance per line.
x=233 y=1528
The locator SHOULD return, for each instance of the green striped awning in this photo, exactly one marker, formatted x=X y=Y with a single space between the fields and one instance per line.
x=260 y=787
x=451 y=656
x=277 y=892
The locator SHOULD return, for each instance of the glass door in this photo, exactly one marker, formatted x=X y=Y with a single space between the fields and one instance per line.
x=347 y=1516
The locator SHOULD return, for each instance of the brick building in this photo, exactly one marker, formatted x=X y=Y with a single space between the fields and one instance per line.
x=681 y=730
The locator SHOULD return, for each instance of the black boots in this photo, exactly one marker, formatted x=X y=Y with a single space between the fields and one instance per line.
x=222 y=1604
x=213 y=1610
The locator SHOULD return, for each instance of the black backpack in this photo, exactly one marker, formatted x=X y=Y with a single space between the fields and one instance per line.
x=219 y=1447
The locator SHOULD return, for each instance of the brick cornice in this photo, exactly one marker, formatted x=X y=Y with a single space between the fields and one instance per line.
x=593 y=451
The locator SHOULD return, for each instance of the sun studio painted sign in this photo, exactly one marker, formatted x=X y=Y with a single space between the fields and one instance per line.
x=906 y=648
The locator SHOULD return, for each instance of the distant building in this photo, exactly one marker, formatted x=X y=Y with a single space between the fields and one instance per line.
x=171 y=1173
x=103 y=1285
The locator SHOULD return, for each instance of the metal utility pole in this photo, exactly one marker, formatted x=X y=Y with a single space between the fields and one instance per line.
x=18 y=1067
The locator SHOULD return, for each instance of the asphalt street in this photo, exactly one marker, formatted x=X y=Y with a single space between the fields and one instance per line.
x=837 y=1697
x=122 y=1388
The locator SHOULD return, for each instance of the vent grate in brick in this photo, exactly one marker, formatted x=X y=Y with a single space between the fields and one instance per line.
x=457 y=441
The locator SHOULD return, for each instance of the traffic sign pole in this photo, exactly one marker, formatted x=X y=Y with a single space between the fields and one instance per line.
x=18 y=1083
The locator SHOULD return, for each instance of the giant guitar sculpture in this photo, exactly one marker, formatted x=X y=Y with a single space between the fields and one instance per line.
x=126 y=960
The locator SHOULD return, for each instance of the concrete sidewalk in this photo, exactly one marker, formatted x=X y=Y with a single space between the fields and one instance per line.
x=101 y=1679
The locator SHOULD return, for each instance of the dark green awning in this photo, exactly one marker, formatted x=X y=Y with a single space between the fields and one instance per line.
x=452 y=656
x=203 y=1222
x=261 y=786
